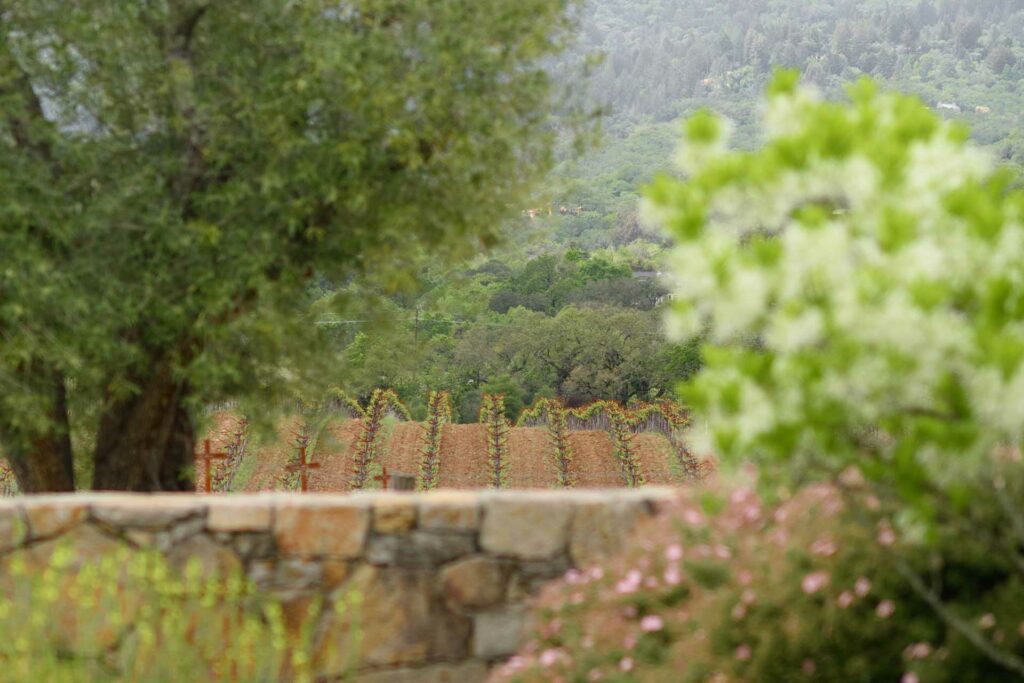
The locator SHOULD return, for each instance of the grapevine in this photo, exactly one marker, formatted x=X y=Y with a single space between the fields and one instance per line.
x=439 y=413
x=492 y=414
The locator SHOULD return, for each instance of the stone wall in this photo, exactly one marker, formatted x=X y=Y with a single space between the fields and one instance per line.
x=444 y=575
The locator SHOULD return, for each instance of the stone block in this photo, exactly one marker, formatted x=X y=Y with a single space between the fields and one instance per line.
x=418 y=549
x=599 y=529
x=215 y=561
x=226 y=514
x=322 y=528
x=48 y=517
x=12 y=527
x=393 y=514
x=497 y=634
x=464 y=672
x=450 y=511
x=402 y=623
x=526 y=526
x=474 y=582
x=150 y=512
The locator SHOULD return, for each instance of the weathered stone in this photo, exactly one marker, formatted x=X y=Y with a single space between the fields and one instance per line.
x=49 y=517
x=251 y=544
x=227 y=514
x=450 y=510
x=213 y=559
x=334 y=573
x=394 y=514
x=418 y=549
x=402 y=623
x=474 y=582
x=531 y=527
x=150 y=512
x=331 y=528
x=295 y=574
x=498 y=633
x=262 y=573
x=529 y=577
x=599 y=529
x=466 y=672
x=12 y=527
x=82 y=545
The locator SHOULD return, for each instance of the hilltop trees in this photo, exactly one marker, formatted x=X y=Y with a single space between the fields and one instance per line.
x=175 y=174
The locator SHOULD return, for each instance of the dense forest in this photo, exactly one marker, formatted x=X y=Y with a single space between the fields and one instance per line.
x=569 y=307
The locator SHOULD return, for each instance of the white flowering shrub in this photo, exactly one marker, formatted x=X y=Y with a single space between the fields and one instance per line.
x=860 y=282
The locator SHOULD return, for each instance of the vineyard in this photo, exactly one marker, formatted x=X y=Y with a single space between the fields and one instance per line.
x=604 y=444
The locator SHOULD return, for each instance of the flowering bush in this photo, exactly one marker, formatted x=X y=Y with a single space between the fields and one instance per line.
x=724 y=588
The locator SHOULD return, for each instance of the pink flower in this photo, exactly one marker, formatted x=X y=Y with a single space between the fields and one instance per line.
x=674 y=552
x=845 y=599
x=651 y=623
x=748 y=597
x=918 y=651
x=743 y=652
x=885 y=609
x=549 y=657
x=629 y=642
x=515 y=663
x=626 y=664
x=692 y=517
x=862 y=587
x=722 y=552
x=651 y=582
x=745 y=577
x=824 y=547
x=910 y=677
x=673 y=576
x=629 y=611
x=886 y=536
x=595 y=675
x=987 y=621
x=576 y=599
x=739 y=611
x=573 y=576
x=596 y=573
x=814 y=582
x=552 y=627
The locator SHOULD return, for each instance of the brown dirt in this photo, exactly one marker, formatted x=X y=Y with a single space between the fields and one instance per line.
x=593 y=464
x=464 y=457
x=334 y=453
x=531 y=463
x=273 y=457
x=656 y=459
x=401 y=453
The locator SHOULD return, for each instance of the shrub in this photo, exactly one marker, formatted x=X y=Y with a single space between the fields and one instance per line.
x=724 y=588
x=132 y=617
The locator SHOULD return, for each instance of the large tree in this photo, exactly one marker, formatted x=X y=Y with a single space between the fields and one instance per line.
x=174 y=173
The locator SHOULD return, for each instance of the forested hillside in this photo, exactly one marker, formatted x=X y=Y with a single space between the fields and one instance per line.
x=570 y=306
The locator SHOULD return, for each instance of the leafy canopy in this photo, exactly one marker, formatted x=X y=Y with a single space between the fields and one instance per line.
x=174 y=172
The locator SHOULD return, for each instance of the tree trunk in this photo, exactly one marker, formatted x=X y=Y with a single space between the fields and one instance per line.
x=42 y=462
x=146 y=441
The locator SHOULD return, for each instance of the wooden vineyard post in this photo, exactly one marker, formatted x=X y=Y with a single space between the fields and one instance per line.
x=383 y=478
x=492 y=414
x=302 y=467
x=208 y=457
